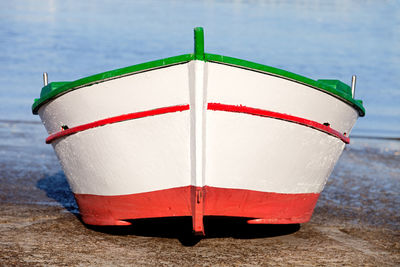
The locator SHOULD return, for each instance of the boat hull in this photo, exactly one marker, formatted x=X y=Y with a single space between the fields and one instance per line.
x=231 y=142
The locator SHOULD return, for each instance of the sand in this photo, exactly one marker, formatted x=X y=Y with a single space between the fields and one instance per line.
x=356 y=221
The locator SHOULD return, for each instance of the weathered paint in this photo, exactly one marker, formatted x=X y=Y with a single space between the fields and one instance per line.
x=131 y=116
x=278 y=116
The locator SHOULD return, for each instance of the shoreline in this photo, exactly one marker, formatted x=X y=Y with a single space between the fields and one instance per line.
x=355 y=222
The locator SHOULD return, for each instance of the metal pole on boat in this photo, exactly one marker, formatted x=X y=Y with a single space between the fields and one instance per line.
x=45 y=78
x=353 y=85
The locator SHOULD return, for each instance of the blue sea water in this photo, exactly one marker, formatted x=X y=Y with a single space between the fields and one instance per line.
x=317 y=39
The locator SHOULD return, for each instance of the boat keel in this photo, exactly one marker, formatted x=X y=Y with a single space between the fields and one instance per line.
x=198 y=211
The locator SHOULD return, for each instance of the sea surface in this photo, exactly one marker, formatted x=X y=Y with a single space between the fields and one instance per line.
x=317 y=39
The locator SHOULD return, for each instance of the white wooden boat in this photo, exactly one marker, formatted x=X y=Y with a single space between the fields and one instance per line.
x=197 y=135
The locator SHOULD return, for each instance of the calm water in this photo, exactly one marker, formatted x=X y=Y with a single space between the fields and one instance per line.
x=317 y=39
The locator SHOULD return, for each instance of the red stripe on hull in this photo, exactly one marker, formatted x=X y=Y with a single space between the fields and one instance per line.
x=124 y=117
x=279 y=116
x=264 y=207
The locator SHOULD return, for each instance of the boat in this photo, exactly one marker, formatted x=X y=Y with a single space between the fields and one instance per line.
x=197 y=135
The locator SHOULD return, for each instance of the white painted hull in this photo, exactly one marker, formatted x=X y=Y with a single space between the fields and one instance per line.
x=199 y=147
x=240 y=150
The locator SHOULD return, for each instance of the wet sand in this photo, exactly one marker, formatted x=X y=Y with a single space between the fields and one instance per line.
x=356 y=221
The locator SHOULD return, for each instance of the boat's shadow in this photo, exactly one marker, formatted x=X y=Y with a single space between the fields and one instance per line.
x=215 y=227
x=57 y=188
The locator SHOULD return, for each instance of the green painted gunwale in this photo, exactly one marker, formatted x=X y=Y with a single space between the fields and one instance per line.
x=54 y=89
x=333 y=87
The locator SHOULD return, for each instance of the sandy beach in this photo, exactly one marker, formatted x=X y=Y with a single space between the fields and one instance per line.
x=356 y=221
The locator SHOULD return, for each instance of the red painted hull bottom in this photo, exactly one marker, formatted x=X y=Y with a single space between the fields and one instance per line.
x=259 y=207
